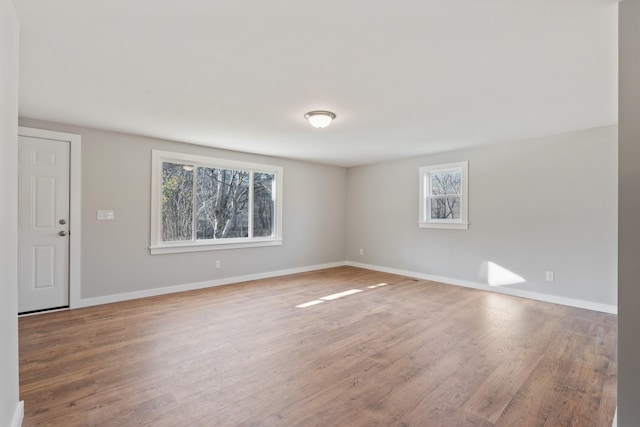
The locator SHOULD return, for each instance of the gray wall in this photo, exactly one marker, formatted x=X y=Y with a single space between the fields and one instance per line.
x=556 y=211
x=116 y=174
x=629 y=216
x=8 y=212
x=545 y=204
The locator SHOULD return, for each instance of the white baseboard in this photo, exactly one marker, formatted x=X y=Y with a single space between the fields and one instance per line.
x=18 y=415
x=108 y=299
x=589 y=305
x=615 y=418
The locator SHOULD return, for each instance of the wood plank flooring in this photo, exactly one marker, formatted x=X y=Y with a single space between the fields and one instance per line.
x=408 y=353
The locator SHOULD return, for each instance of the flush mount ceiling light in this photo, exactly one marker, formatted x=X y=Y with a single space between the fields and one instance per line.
x=320 y=119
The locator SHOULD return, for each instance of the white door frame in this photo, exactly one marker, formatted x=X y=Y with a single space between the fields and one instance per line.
x=74 y=203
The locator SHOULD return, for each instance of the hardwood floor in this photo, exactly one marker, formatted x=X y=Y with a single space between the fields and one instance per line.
x=409 y=353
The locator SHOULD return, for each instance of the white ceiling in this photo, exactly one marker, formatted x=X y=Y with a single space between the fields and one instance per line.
x=404 y=77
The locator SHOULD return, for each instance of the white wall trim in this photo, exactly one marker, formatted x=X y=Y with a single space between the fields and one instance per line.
x=75 y=196
x=18 y=415
x=572 y=302
x=108 y=299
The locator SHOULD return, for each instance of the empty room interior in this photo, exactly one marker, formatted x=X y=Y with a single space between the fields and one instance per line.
x=302 y=214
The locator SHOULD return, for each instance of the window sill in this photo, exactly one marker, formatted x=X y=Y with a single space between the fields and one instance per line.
x=445 y=225
x=198 y=247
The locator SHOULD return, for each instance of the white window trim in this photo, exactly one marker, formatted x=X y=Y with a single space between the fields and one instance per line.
x=458 y=224
x=159 y=247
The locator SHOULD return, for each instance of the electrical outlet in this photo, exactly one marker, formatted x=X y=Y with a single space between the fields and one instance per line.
x=361 y=251
x=549 y=276
x=217 y=263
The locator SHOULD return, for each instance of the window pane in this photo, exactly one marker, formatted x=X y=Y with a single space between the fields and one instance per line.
x=263 y=204
x=445 y=207
x=445 y=183
x=222 y=203
x=177 y=202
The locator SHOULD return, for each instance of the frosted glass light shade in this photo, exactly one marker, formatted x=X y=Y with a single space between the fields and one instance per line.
x=320 y=119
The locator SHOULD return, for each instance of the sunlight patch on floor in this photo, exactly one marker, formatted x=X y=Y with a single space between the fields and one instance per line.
x=336 y=296
x=340 y=294
x=377 y=286
x=309 y=304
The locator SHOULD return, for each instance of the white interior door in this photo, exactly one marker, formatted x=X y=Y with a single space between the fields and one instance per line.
x=43 y=230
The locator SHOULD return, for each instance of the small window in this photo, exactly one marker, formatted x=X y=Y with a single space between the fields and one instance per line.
x=444 y=196
x=201 y=203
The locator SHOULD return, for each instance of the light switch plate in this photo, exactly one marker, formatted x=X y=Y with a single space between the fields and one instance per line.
x=105 y=215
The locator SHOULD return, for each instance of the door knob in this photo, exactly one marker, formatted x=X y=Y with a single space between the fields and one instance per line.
x=62 y=233
x=62 y=222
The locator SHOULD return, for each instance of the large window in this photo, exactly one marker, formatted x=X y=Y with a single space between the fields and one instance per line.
x=444 y=196
x=202 y=203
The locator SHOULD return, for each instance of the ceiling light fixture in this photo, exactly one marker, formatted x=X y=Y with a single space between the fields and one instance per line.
x=319 y=118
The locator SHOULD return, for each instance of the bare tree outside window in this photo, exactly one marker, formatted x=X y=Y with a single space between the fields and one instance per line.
x=446 y=191
x=201 y=203
x=263 y=204
x=444 y=196
x=222 y=203
x=177 y=202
